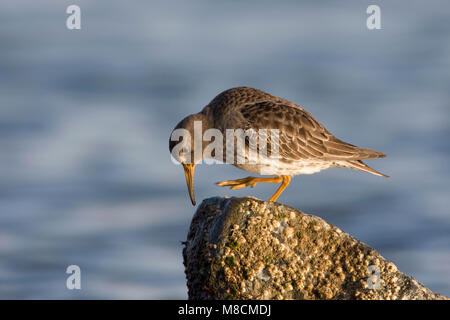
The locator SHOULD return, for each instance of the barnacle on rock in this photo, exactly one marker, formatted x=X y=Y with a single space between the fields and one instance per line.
x=245 y=248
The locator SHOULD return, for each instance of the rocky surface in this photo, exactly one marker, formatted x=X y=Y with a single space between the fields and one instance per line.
x=245 y=248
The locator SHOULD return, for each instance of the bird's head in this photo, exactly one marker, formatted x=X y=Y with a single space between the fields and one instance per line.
x=186 y=146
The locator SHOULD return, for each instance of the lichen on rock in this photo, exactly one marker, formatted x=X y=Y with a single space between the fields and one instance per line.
x=245 y=248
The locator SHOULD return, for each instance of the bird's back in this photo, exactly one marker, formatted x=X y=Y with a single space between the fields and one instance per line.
x=302 y=140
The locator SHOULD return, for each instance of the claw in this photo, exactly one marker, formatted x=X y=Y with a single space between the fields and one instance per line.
x=252 y=181
x=238 y=183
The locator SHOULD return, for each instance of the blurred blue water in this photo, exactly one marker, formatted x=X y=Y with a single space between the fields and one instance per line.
x=85 y=116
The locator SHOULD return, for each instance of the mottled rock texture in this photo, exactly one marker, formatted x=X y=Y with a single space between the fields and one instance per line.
x=245 y=248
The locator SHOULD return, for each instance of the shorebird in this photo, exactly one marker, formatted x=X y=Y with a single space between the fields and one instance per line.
x=303 y=145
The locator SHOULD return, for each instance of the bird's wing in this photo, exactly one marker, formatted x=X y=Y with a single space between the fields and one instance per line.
x=300 y=136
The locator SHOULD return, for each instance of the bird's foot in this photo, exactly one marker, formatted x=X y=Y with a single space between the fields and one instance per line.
x=245 y=182
x=238 y=183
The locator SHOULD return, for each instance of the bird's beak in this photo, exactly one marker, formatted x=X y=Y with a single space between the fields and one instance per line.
x=189 y=173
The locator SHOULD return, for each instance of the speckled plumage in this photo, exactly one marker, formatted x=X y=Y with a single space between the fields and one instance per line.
x=298 y=145
x=305 y=146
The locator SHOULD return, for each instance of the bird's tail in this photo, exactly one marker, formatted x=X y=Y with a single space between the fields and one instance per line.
x=359 y=165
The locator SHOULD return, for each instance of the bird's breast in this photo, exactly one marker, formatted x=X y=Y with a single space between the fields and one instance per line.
x=279 y=167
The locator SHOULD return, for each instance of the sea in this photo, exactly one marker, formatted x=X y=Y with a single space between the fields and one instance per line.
x=86 y=177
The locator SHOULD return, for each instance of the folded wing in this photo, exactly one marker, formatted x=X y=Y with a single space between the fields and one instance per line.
x=300 y=136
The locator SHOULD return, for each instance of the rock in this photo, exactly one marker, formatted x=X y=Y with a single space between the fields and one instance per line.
x=245 y=248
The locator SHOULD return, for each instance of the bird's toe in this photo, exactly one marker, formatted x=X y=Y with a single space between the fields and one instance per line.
x=237 y=184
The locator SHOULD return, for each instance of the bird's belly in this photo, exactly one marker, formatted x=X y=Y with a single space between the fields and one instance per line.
x=281 y=167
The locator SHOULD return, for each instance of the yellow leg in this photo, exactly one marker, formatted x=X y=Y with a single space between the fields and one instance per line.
x=252 y=181
x=284 y=184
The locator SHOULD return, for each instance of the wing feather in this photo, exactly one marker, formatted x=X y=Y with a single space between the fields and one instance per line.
x=300 y=135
